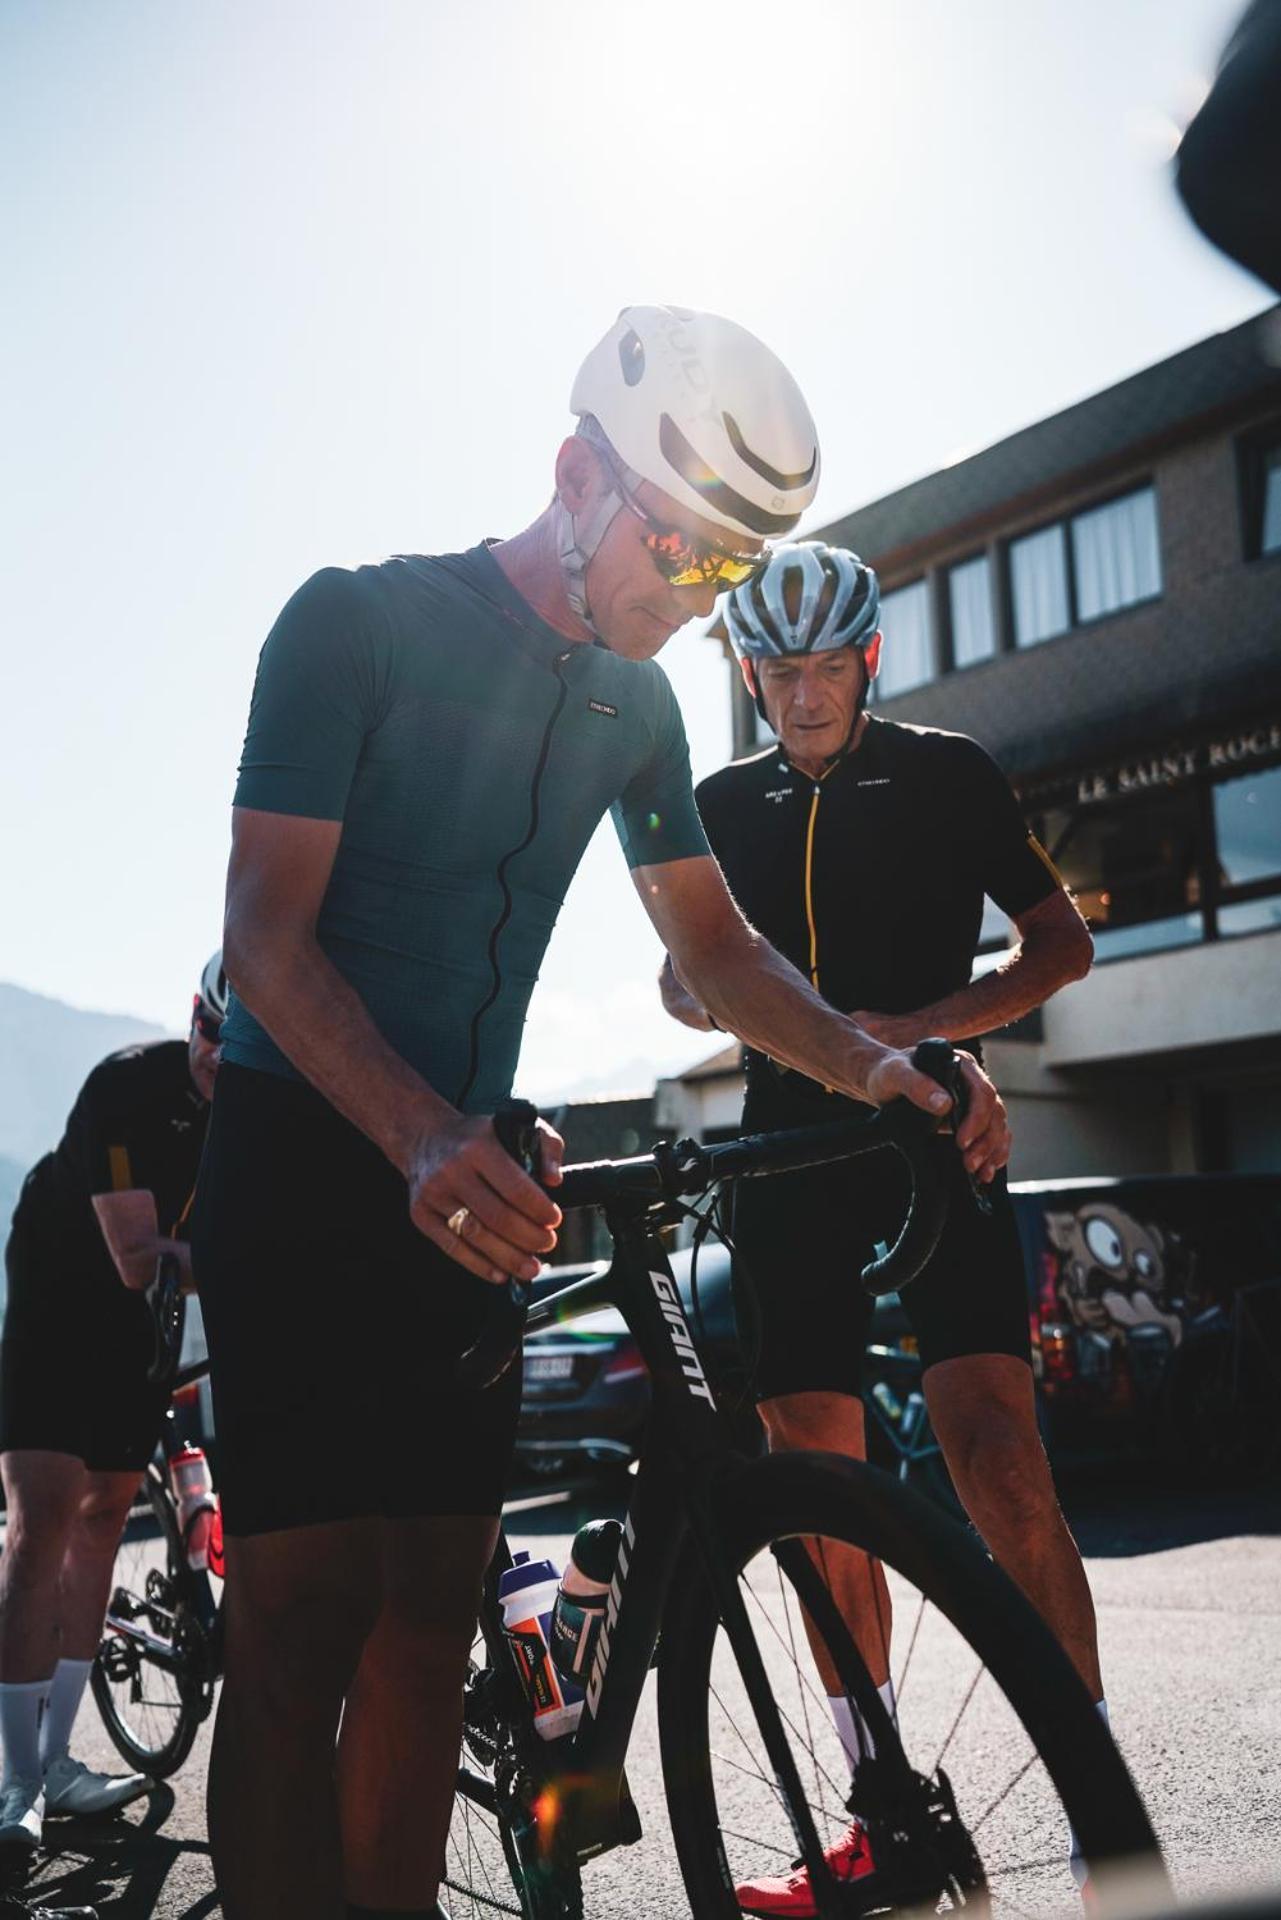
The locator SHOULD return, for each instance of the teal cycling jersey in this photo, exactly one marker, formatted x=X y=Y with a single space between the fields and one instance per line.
x=469 y=751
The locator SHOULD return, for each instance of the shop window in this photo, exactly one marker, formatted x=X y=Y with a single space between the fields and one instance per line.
x=1270 y=535
x=1134 y=869
x=1039 y=586
x=907 y=651
x=1116 y=554
x=1247 y=827
x=969 y=589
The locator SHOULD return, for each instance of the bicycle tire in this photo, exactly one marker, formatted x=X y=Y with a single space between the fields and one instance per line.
x=156 y=1741
x=795 y=1496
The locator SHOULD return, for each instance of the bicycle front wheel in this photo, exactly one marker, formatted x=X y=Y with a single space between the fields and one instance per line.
x=999 y=1746
x=146 y=1676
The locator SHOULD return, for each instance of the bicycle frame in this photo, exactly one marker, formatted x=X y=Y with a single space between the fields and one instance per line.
x=686 y=1452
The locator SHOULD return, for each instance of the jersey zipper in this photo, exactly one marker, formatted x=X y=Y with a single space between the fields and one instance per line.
x=811 y=922
x=505 y=911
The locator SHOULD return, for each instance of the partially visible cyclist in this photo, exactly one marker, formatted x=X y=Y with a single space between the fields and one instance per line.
x=78 y=1419
x=863 y=850
x=431 y=744
x=1229 y=162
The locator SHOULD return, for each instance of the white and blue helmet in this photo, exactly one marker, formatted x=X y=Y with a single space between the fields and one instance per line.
x=834 y=597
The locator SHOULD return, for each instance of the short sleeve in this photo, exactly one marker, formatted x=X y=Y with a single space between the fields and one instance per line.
x=1013 y=866
x=94 y=1148
x=315 y=698
x=655 y=817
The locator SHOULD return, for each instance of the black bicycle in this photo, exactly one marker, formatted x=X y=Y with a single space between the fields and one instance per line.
x=725 y=1580
x=160 y=1655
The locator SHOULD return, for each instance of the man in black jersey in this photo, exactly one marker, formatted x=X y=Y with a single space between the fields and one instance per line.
x=78 y=1419
x=863 y=850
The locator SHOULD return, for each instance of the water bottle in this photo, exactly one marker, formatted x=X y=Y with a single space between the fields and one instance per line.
x=913 y=1415
x=193 y=1490
x=580 y=1603
x=527 y=1593
x=888 y=1401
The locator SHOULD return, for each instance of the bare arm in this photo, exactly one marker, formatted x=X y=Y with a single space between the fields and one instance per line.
x=680 y=1003
x=280 y=868
x=1054 y=948
x=750 y=990
x=134 y=1240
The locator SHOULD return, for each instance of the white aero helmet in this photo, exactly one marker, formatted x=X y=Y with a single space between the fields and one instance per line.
x=213 y=987
x=700 y=407
x=835 y=601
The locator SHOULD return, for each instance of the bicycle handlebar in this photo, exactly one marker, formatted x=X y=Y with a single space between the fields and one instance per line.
x=688 y=1170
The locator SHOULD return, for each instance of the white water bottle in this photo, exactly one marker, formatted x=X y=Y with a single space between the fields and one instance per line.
x=527 y=1593
x=197 y=1503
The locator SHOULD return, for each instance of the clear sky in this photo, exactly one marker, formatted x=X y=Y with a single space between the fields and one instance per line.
x=293 y=282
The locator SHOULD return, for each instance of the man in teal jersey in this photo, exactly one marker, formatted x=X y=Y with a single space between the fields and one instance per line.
x=430 y=746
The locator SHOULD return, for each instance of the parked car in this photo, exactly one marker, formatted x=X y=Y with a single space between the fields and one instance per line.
x=586 y=1392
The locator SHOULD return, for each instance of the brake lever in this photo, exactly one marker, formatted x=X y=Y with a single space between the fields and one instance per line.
x=941 y=1061
x=499 y=1340
x=168 y=1310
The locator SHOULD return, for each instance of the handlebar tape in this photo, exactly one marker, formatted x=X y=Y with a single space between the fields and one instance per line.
x=497 y=1344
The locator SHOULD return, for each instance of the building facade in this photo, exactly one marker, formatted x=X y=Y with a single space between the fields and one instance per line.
x=1097 y=599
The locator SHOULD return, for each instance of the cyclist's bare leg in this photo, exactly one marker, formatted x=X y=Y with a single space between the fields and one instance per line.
x=298 y=1606
x=85 y=1581
x=834 y=1423
x=398 y=1750
x=983 y=1410
x=43 y=1491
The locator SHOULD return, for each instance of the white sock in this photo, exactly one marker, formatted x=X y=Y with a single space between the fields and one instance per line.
x=856 y=1736
x=21 y=1710
x=1076 y=1859
x=66 y=1691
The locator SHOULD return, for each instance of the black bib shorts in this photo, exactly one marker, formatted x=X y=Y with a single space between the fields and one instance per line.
x=333 y=1326
x=73 y=1363
x=801 y=1239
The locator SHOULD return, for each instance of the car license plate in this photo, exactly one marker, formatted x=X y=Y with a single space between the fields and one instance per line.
x=550 y=1366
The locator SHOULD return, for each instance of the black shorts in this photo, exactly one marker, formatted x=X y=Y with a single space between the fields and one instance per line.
x=73 y=1363
x=334 y=1327
x=801 y=1239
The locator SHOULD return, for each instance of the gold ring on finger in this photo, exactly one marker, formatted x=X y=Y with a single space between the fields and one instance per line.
x=458 y=1220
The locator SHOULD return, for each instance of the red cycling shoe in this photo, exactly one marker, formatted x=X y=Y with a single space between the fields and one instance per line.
x=789 y=1895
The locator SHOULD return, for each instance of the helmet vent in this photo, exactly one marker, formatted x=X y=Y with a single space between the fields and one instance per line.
x=631 y=357
x=786 y=482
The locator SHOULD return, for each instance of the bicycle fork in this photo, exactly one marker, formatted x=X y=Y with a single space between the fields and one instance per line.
x=732 y=1610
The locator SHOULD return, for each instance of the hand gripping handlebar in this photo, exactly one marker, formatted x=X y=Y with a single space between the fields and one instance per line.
x=688 y=1170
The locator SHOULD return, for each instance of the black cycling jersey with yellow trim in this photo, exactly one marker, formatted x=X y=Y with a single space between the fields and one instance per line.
x=469 y=751
x=138 y=1123
x=871 y=879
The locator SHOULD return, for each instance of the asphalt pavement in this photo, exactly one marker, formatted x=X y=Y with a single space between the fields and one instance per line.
x=1188 y=1589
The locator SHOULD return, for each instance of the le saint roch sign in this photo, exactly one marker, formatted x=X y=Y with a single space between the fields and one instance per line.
x=1234 y=752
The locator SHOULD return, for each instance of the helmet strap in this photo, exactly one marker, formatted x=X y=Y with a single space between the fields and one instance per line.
x=576 y=546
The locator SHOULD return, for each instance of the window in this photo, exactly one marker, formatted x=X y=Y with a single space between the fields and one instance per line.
x=907 y=653
x=1270 y=537
x=1038 y=584
x=1116 y=554
x=1111 y=560
x=1247 y=826
x=1134 y=869
x=969 y=589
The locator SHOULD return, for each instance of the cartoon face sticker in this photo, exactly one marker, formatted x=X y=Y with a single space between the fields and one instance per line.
x=1113 y=1270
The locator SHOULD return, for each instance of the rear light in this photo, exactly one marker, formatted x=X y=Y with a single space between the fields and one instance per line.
x=626 y=1364
x=188 y=1396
